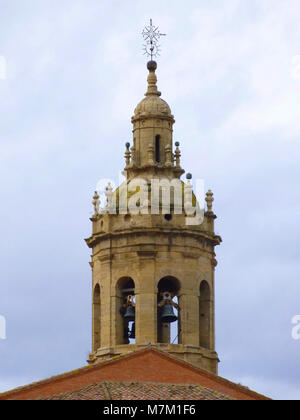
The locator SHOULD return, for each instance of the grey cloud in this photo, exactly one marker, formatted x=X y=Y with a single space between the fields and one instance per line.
x=75 y=74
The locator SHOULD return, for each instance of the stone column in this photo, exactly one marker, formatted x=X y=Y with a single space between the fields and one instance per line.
x=189 y=318
x=146 y=301
x=106 y=310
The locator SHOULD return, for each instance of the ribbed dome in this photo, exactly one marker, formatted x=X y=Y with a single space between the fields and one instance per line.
x=152 y=105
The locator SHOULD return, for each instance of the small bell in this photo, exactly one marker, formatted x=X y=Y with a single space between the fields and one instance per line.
x=167 y=314
x=130 y=313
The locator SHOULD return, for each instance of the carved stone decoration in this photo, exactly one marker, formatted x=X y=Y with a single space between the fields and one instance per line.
x=127 y=155
x=177 y=155
x=96 y=203
x=188 y=195
x=209 y=200
x=108 y=194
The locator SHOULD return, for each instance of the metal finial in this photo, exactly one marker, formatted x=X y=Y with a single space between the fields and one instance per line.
x=151 y=35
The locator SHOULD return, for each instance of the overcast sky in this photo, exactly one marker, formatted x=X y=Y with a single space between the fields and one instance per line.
x=74 y=74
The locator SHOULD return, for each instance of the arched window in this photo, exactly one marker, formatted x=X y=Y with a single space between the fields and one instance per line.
x=96 y=318
x=205 y=315
x=168 y=332
x=125 y=328
x=157 y=148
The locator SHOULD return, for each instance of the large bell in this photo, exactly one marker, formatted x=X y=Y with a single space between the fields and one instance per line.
x=167 y=314
x=130 y=313
x=132 y=332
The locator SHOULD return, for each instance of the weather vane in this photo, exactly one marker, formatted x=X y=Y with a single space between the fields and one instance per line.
x=151 y=36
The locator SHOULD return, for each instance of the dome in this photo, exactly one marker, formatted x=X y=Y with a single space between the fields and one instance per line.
x=130 y=194
x=152 y=105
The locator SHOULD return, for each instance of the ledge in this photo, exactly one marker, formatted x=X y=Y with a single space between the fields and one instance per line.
x=179 y=349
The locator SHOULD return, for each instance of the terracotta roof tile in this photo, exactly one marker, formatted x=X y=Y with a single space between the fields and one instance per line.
x=141 y=391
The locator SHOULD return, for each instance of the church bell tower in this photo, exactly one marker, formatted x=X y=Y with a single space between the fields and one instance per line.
x=152 y=273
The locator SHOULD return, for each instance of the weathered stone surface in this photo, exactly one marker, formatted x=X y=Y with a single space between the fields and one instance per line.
x=133 y=253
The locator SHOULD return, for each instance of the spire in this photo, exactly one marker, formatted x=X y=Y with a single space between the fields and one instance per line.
x=152 y=79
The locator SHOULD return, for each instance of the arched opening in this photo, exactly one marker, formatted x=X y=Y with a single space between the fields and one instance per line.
x=157 y=148
x=205 y=314
x=96 y=318
x=168 y=328
x=125 y=325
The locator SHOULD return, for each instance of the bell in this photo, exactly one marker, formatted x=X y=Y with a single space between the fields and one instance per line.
x=167 y=314
x=130 y=313
x=132 y=332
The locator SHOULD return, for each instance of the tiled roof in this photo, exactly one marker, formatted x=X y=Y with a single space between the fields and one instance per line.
x=141 y=391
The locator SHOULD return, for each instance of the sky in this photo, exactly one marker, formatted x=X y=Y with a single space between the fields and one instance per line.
x=71 y=74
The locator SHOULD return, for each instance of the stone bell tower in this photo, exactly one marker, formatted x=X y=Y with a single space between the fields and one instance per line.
x=152 y=273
